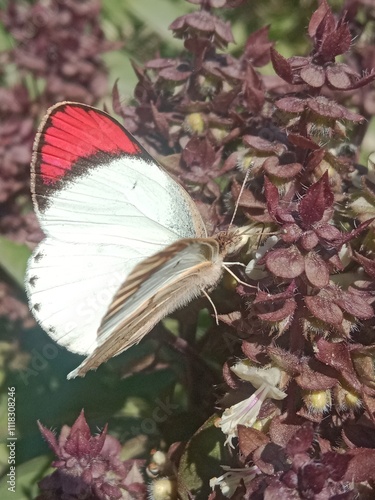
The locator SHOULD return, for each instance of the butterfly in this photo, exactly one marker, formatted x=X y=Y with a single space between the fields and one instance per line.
x=124 y=243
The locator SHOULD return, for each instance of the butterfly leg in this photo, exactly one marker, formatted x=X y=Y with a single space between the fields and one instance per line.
x=225 y=266
x=213 y=306
x=234 y=264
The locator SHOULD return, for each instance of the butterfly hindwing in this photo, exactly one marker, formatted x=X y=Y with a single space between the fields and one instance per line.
x=156 y=287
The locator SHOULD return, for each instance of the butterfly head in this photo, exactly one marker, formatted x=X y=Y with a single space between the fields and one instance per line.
x=229 y=241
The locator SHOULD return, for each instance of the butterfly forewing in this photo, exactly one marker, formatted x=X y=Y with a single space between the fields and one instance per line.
x=104 y=206
x=156 y=287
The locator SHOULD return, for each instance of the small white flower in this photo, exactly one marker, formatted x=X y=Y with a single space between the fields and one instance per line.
x=230 y=480
x=259 y=377
x=246 y=412
x=253 y=269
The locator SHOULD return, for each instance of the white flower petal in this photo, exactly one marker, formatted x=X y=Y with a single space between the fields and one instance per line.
x=257 y=376
x=253 y=269
x=230 y=480
x=243 y=413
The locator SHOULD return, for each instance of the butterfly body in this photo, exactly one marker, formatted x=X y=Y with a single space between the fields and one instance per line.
x=125 y=245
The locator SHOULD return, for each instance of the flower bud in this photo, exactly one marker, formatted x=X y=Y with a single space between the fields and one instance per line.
x=163 y=489
x=346 y=399
x=317 y=401
x=194 y=123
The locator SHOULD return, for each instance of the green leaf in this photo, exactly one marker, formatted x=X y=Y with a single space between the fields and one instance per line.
x=6 y=40
x=115 y=12
x=201 y=461
x=13 y=259
x=120 y=70
x=27 y=475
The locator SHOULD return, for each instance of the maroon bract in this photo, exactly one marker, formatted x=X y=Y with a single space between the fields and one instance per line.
x=89 y=466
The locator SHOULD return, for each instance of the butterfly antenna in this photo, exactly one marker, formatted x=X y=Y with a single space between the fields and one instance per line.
x=239 y=197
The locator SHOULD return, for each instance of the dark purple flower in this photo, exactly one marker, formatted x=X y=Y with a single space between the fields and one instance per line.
x=203 y=24
x=60 y=42
x=89 y=466
x=331 y=38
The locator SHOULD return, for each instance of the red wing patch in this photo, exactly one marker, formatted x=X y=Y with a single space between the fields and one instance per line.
x=73 y=133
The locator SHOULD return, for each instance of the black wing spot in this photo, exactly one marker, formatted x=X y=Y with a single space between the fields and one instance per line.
x=177 y=263
x=135 y=183
x=38 y=257
x=51 y=329
x=33 y=280
x=36 y=307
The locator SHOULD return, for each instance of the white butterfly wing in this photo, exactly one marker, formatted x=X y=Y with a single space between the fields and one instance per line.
x=104 y=206
x=156 y=287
